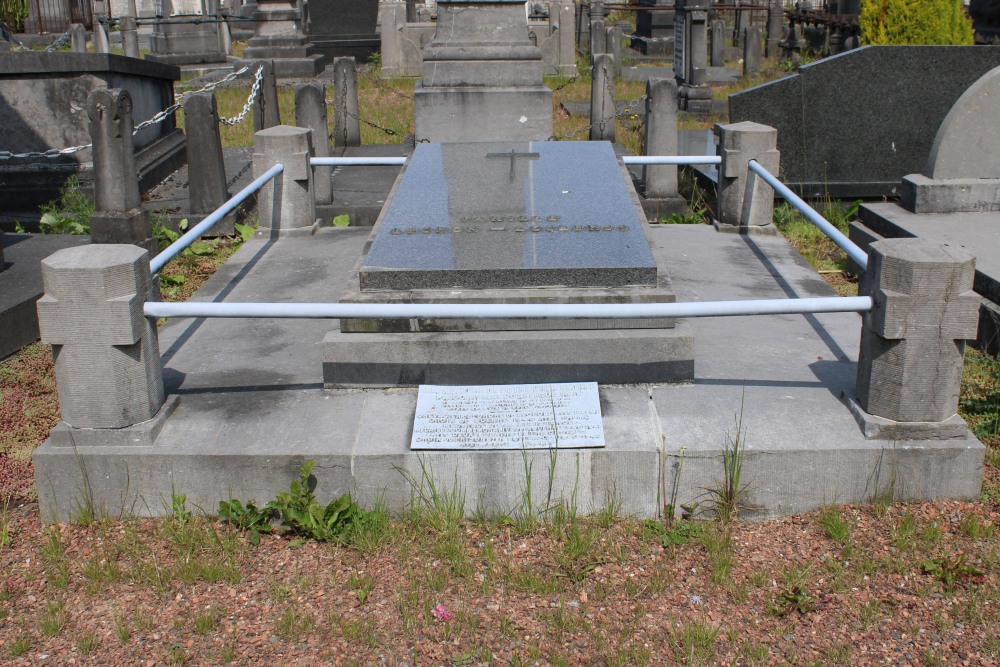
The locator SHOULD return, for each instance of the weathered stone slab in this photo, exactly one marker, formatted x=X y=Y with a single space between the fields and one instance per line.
x=508 y=215
x=514 y=416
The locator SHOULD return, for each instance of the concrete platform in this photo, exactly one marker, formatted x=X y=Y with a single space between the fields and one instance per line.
x=252 y=406
x=21 y=284
x=977 y=233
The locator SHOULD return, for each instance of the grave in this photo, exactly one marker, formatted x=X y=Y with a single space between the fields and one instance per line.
x=522 y=222
x=482 y=76
x=43 y=105
x=860 y=145
x=955 y=198
x=344 y=28
x=186 y=43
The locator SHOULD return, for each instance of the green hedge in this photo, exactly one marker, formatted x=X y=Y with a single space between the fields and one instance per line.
x=914 y=22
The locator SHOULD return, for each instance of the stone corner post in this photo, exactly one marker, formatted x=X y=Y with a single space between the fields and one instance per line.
x=661 y=137
x=346 y=123
x=392 y=19
x=206 y=167
x=119 y=216
x=912 y=342
x=286 y=201
x=310 y=111
x=108 y=369
x=265 y=107
x=738 y=144
x=602 y=98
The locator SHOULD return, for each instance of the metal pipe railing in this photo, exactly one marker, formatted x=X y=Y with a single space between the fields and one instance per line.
x=672 y=159
x=355 y=161
x=853 y=251
x=836 y=304
x=192 y=235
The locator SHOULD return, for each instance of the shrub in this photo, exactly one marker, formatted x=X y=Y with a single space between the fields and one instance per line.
x=914 y=22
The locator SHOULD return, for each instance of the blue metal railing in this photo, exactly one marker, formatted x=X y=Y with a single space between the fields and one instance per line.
x=848 y=246
x=192 y=235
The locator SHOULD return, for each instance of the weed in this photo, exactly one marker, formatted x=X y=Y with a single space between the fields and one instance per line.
x=246 y=517
x=87 y=642
x=757 y=654
x=726 y=501
x=976 y=528
x=611 y=511
x=362 y=630
x=836 y=527
x=122 y=629
x=5 y=528
x=53 y=620
x=675 y=535
x=179 y=513
x=341 y=220
x=903 y=533
x=362 y=585
x=871 y=612
x=293 y=624
x=696 y=642
x=21 y=645
x=716 y=538
x=54 y=555
x=953 y=571
x=70 y=213
x=206 y=622
x=793 y=599
x=441 y=510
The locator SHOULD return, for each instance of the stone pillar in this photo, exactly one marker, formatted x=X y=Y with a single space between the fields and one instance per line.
x=752 y=51
x=286 y=202
x=742 y=22
x=119 y=217
x=77 y=38
x=108 y=369
x=346 y=124
x=775 y=19
x=222 y=27
x=206 y=167
x=718 y=44
x=738 y=144
x=265 y=107
x=130 y=38
x=614 y=45
x=661 y=137
x=310 y=111
x=565 y=21
x=598 y=38
x=912 y=342
x=697 y=49
x=602 y=99
x=101 y=43
x=392 y=18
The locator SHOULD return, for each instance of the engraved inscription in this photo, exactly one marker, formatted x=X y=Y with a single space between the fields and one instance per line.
x=511 y=228
x=525 y=416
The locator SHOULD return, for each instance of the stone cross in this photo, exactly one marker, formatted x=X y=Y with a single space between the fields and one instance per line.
x=108 y=369
x=912 y=342
x=514 y=155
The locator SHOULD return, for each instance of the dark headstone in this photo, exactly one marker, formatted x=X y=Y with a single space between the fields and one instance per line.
x=655 y=27
x=343 y=28
x=853 y=125
x=479 y=216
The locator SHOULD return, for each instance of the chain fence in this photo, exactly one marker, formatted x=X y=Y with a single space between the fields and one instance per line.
x=160 y=116
x=59 y=43
x=629 y=109
x=341 y=107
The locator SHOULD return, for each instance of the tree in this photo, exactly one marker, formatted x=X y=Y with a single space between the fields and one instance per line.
x=914 y=22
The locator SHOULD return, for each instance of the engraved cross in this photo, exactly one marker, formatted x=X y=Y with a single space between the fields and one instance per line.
x=514 y=155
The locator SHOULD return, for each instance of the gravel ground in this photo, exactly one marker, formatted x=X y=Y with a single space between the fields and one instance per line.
x=905 y=584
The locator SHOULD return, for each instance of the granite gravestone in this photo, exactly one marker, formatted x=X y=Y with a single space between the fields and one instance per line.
x=344 y=28
x=515 y=216
x=522 y=222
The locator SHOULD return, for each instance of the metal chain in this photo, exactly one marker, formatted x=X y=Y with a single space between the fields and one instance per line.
x=341 y=107
x=648 y=40
x=381 y=86
x=628 y=109
x=239 y=173
x=59 y=43
x=254 y=91
x=569 y=82
x=158 y=118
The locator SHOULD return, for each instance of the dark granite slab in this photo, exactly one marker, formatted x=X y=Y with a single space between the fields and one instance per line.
x=854 y=124
x=343 y=28
x=471 y=216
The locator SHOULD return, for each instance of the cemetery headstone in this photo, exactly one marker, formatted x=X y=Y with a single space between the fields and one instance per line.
x=507 y=222
x=177 y=43
x=119 y=217
x=77 y=38
x=265 y=108
x=206 y=168
x=655 y=27
x=482 y=76
x=346 y=123
x=310 y=111
x=602 y=99
x=278 y=37
x=344 y=28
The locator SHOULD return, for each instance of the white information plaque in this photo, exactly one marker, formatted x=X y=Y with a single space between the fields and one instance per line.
x=508 y=416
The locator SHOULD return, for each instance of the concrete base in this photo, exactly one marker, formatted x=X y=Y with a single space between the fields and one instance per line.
x=619 y=356
x=187 y=58
x=660 y=208
x=291 y=61
x=250 y=414
x=140 y=435
x=880 y=428
x=483 y=114
x=921 y=194
x=748 y=230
